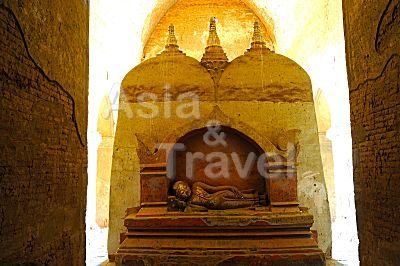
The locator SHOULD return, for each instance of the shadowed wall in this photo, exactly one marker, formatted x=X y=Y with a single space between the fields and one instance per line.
x=372 y=30
x=43 y=120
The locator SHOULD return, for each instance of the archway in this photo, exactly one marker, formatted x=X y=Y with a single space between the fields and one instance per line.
x=234 y=151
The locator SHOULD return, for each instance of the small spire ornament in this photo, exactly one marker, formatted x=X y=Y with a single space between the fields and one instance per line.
x=257 y=42
x=171 y=40
x=213 y=39
x=171 y=45
x=214 y=59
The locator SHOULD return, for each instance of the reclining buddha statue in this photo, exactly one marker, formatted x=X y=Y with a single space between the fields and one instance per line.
x=214 y=197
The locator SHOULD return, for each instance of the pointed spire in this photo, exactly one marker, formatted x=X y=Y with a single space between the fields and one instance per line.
x=214 y=58
x=257 y=42
x=171 y=39
x=213 y=39
x=171 y=45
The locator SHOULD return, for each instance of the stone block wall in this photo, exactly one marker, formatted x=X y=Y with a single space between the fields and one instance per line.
x=43 y=156
x=372 y=32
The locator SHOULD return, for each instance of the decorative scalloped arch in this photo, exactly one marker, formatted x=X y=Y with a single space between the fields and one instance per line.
x=216 y=117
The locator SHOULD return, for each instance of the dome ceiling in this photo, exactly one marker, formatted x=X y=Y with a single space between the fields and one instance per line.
x=190 y=17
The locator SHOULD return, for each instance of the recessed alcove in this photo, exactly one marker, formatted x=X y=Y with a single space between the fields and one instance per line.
x=234 y=145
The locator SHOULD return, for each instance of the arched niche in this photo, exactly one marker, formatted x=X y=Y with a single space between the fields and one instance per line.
x=280 y=184
x=230 y=155
x=216 y=118
x=191 y=20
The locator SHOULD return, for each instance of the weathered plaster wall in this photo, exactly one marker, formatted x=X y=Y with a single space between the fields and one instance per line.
x=43 y=161
x=57 y=35
x=372 y=30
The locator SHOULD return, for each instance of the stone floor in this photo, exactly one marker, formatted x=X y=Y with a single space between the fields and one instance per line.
x=96 y=250
x=335 y=263
x=328 y=263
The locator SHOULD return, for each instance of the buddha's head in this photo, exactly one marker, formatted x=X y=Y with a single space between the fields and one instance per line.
x=182 y=190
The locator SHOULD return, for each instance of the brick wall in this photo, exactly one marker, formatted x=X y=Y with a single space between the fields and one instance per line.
x=43 y=158
x=372 y=30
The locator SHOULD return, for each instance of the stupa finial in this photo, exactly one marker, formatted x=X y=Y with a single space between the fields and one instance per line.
x=171 y=45
x=171 y=40
x=214 y=59
x=258 y=40
x=213 y=38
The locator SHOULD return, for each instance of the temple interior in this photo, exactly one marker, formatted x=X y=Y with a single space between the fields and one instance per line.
x=183 y=132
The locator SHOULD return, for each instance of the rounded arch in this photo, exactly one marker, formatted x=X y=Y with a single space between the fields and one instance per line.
x=218 y=118
x=229 y=161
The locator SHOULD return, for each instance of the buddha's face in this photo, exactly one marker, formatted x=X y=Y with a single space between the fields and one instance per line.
x=182 y=190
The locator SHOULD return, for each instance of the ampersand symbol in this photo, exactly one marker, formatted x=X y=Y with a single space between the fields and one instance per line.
x=214 y=137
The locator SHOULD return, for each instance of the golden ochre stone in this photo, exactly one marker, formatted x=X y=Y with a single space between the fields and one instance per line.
x=259 y=100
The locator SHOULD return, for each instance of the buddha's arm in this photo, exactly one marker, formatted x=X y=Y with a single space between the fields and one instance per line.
x=212 y=189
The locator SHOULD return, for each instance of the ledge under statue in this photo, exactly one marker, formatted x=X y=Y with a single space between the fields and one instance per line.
x=231 y=220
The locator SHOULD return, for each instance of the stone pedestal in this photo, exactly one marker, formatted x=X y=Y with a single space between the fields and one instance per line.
x=258 y=236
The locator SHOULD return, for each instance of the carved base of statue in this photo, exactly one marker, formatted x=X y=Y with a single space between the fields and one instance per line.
x=246 y=236
x=218 y=225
